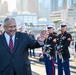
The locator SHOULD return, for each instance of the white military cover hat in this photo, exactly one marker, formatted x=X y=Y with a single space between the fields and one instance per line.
x=63 y=24
x=50 y=25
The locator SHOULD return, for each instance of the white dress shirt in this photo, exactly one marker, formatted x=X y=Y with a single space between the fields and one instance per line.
x=13 y=38
x=8 y=38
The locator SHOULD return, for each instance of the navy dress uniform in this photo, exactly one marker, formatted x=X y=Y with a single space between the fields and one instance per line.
x=63 y=42
x=49 y=56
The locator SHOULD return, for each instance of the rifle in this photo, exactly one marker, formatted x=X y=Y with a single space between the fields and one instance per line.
x=60 y=53
x=46 y=51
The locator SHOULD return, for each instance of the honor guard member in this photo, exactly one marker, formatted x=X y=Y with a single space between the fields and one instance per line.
x=63 y=42
x=48 y=50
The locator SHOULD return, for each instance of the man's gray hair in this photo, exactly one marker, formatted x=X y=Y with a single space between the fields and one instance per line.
x=7 y=19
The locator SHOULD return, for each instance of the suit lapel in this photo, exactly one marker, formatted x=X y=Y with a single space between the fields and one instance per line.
x=16 y=41
x=4 y=42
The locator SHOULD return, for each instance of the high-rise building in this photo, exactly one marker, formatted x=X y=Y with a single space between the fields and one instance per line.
x=4 y=6
x=27 y=5
x=21 y=5
x=64 y=4
x=46 y=7
x=33 y=6
x=73 y=2
x=54 y=5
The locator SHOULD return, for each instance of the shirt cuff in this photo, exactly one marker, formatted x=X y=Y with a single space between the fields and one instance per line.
x=41 y=43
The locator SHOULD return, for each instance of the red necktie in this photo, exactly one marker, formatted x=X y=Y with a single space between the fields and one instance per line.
x=11 y=44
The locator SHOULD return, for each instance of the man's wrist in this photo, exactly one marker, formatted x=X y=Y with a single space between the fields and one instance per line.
x=41 y=43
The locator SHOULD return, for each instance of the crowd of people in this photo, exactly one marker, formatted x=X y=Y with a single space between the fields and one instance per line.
x=14 y=52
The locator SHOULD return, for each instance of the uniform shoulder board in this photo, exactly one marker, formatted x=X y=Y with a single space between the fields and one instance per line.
x=54 y=40
x=69 y=39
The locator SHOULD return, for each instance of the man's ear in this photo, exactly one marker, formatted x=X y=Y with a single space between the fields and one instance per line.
x=4 y=26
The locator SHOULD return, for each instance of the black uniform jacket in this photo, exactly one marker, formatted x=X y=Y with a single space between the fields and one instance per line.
x=64 y=40
x=51 y=40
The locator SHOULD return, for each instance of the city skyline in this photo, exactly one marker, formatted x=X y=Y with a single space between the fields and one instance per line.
x=27 y=6
x=11 y=6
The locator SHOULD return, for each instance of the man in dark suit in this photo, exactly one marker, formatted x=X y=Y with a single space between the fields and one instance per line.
x=14 y=50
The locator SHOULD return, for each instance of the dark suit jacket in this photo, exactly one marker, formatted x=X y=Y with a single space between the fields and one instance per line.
x=32 y=36
x=17 y=61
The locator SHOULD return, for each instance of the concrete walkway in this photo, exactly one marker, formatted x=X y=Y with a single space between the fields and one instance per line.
x=38 y=68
